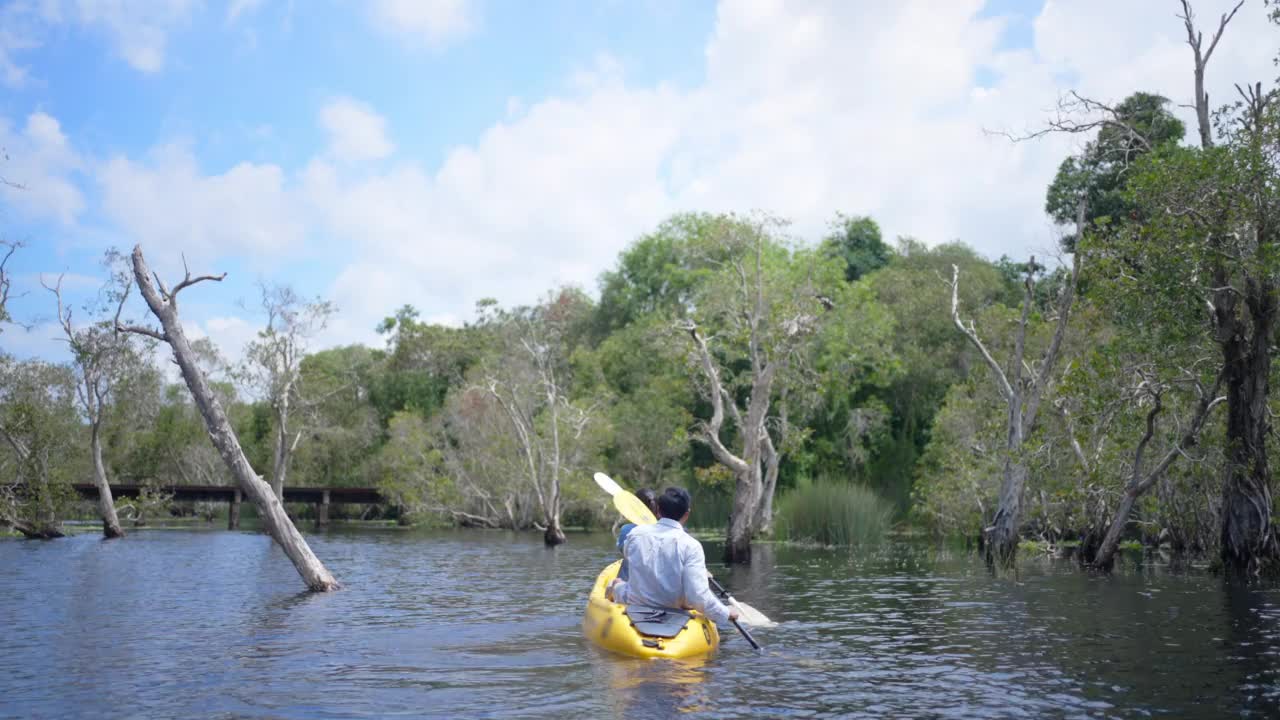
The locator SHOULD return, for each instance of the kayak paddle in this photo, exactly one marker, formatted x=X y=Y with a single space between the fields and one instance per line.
x=607 y=484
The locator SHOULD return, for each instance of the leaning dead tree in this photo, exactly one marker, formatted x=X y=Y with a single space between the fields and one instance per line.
x=98 y=355
x=1022 y=394
x=1141 y=478
x=163 y=303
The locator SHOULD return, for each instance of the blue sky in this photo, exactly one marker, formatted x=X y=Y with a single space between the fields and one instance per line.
x=439 y=151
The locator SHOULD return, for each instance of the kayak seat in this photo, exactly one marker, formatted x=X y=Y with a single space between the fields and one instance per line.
x=658 y=621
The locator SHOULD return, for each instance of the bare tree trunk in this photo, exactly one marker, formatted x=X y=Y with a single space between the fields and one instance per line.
x=999 y=540
x=106 y=505
x=163 y=304
x=282 y=452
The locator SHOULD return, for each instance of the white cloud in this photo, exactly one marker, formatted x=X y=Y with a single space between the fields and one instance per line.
x=356 y=132
x=38 y=170
x=169 y=206
x=19 y=32
x=236 y=8
x=138 y=29
x=432 y=22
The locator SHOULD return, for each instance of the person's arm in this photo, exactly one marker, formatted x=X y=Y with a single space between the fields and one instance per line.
x=697 y=590
x=623 y=532
x=618 y=591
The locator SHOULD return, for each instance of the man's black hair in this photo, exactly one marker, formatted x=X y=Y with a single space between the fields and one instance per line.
x=674 y=503
x=649 y=497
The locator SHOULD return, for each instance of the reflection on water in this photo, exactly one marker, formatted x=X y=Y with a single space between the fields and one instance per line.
x=477 y=624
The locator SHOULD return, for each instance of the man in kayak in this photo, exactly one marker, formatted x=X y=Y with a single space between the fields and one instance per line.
x=650 y=499
x=667 y=565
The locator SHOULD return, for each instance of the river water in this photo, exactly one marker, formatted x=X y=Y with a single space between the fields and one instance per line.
x=487 y=624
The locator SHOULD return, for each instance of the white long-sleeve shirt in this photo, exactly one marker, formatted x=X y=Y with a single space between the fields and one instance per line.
x=667 y=569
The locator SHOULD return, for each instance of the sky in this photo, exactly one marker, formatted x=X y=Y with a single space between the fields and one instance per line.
x=377 y=153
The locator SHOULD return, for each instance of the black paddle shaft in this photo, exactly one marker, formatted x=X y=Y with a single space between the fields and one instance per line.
x=729 y=598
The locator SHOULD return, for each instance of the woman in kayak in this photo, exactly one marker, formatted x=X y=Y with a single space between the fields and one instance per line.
x=650 y=498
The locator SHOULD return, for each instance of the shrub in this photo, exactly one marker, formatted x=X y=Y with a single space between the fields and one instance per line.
x=833 y=513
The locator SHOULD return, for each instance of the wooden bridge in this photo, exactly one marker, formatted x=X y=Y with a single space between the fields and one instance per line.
x=320 y=497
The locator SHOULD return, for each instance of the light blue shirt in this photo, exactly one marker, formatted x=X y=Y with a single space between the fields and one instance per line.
x=668 y=569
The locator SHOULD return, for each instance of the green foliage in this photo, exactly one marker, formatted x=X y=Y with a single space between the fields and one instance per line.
x=928 y=354
x=829 y=512
x=43 y=449
x=857 y=241
x=1141 y=124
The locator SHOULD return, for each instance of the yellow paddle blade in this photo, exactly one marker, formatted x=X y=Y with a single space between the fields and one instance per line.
x=633 y=509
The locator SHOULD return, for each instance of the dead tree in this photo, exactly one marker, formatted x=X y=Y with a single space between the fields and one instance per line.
x=1022 y=397
x=163 y=303
x=526 y=392
x=98 y=354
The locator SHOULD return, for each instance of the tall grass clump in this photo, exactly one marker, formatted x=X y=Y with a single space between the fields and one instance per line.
x=832 y=513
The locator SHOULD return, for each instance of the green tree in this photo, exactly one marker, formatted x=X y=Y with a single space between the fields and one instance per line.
x=1099 y=174
x=856 y=240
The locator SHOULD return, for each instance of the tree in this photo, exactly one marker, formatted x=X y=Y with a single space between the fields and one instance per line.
x=1209 y=237
x=38 y=423
x=273 y=366
x=102 y=357
x=529 y=378
x=763 y=304
x=163 y=303
x=857 y=241
x=1138 y=125
x=1022 y=396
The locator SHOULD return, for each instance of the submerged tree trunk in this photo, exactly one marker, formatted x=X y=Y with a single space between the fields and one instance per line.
x=106 y=504
x=163 y=304
x=554 y=534
x=1000 y=538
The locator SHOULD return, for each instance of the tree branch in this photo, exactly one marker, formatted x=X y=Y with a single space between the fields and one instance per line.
x=1002 y=382
x=139 y=330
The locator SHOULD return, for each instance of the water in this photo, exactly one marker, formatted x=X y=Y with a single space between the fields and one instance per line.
x=477 y=624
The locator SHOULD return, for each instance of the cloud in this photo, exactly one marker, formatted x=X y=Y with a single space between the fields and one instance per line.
x=19 y=32
x=433 y=23
x=139 y=29
x=38 y=170
x=169 y=206
x=356 y=132
x=236 y=8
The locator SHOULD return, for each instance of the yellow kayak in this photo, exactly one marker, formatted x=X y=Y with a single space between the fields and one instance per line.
x=642 y=631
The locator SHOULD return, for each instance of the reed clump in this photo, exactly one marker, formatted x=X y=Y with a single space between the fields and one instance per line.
x=827 y=512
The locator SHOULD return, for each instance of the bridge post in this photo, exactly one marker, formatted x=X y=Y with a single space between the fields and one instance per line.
x=322 y=510
x=233 y=517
